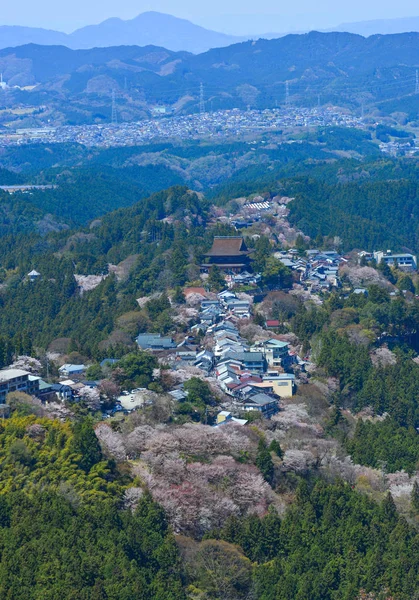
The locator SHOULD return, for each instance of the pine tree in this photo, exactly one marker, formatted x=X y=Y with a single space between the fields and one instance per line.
x=388 y=508
x=264 y=462
x=86 y=444
x=386 y=271
x=276 y=448
x=414 y=497
x=178 y=296
x=216 y=281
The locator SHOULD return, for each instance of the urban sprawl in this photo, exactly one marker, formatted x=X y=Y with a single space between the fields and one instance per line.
x=215 y=125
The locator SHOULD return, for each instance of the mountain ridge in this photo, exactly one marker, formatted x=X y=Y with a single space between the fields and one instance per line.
x=147 y=28
x=175 y=34
x=379 y=26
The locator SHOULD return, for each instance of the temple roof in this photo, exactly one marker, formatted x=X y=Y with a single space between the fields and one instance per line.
x=228 y=246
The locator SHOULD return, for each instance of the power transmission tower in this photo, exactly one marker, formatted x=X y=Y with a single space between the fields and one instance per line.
x=114 y=117
x=287 y=93
x=201 y=99
x=417 y=82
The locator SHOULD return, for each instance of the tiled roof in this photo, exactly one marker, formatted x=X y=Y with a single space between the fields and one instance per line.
x=194 y=290
x=155 y=341
x=228 y=246
x=261 y=399
x=247 y=356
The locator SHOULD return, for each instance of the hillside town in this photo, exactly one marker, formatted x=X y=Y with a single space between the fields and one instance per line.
x=230 y=340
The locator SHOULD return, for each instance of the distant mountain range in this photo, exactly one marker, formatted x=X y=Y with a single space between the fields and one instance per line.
x=148 y=28
x=380 y=26
x=339 y=68
x=173 y=33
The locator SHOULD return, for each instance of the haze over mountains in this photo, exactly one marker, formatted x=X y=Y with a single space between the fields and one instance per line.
x=173 y=33
x=382 y=26
x=148 y=28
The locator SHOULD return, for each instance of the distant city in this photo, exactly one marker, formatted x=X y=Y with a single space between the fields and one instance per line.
x=215 y=125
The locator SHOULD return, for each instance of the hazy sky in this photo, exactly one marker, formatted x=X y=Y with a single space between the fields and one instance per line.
x=234 y=16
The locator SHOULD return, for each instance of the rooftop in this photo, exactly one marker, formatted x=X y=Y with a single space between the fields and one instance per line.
x=279 y=376
x=277 y=343
x=247 y=356
x=261 y=399
x=150 y=340
x=109 y=361
x=194 y=290
x=228 y=246
x=9 y=374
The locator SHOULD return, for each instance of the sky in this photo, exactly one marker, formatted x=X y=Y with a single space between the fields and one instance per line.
x=232 y=16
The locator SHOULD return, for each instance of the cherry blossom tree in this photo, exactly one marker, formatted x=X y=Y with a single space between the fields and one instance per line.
x=27 y=363
x=111 y=442
x=131 y=497
x=109 y=390
x=91 y=397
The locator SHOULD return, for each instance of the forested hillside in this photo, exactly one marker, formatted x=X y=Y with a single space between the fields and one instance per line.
x=367 y=215
x=72 y=523
x=51 y=307
x=331 y=544
x=63 y=530
x=90 y=184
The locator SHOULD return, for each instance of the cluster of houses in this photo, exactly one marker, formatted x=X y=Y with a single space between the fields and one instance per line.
x=252 y=376
x=256 y=210
x=318 y=272
x=244 y=278
x=227 y=305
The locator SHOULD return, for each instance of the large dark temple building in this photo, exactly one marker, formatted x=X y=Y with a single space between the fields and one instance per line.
x=229 y=254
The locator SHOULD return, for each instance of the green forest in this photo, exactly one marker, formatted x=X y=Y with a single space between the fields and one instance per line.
x=63 y=530
x=367 y=215
x=332 y=543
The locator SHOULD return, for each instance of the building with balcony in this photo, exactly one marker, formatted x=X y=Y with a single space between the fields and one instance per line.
x=406 y=262
x=17 y=380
